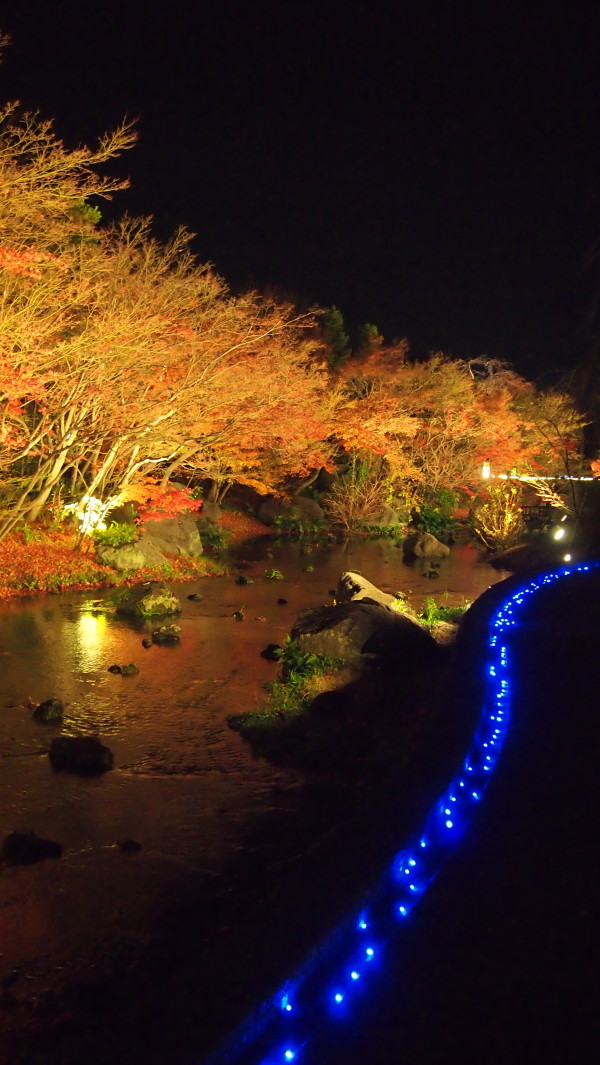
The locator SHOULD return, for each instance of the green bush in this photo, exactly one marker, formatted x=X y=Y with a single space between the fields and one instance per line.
x=433 y=612
x=214 y=537
x=298 y=527
x=434 y=514
x=295 y=661
x=117 y=534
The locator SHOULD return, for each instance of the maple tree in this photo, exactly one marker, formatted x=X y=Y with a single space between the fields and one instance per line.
x=125 y=362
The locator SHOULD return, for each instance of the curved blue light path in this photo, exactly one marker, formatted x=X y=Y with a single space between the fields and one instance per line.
x=329 y=987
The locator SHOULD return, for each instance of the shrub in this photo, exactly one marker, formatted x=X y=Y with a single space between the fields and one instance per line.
x=117 y=534
x=434 y=514
x=360 y=495
x=214 y=537
x=433 y=612
x=497 y=517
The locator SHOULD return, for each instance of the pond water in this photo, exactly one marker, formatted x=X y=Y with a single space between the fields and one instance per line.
x=185 y=787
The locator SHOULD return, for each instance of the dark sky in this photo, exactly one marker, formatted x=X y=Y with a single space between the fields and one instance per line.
x=432 y=168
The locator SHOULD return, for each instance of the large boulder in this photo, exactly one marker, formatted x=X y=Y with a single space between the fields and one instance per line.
x=387 y=518
x=527 y=558
x=173 y=536
x=25 y=848
x=424 y=545
x=131 y=557
x=153 y=598
x=84 y=755
x=359 y=631
x=352 y=587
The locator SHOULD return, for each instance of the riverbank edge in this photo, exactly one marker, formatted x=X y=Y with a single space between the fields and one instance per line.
x=458 y=699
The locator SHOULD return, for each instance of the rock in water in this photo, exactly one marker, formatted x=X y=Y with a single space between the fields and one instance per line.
x=149 y=599
x=269 y=652
x=85 y=755
x=49 y=710
x=354 y=631
x=167 y=634
x=424 y=545
x=25 y=848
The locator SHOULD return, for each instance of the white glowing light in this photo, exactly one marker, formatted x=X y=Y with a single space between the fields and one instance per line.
x=486 y=471
x=559 y=533
x=567 y=557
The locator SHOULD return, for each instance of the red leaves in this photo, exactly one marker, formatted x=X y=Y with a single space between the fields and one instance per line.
x=165 y=502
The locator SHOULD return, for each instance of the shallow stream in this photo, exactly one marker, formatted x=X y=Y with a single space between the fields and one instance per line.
x=185 y=787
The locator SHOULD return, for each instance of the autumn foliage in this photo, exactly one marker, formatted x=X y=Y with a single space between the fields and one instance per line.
x=126 y=363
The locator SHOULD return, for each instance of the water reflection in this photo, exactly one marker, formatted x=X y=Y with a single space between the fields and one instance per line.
x=89 y=637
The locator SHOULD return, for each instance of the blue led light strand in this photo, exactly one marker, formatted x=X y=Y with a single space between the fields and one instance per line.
x=332 y=978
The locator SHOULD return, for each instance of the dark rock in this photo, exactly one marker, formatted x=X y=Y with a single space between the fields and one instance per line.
x=424 y=545
x=269 y=652
x=352 y=587
x=242 y=579
x=351 y=631
x=124 y=514
x=114 y=669
x=281 y=602
x=196 y=597
x=129 y=670
x=49 y=710
x=130 y=557
x=527 y=558
x=146 y=642
x=301 y=508
x=238 y=615
x=167 y=634
x=25 y=848
x=85 y=755
x=330 y=702
x=431 y=573
x=129 y=846
x=386 y=518
x=151 y=598
x=173 y=536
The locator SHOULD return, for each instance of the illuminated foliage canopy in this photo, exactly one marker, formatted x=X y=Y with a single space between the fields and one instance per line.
x=121 y=357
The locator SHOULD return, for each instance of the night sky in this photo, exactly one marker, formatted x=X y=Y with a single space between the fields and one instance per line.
x=429 y=168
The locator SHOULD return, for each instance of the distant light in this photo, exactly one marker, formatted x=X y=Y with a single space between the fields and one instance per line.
x=354 y=975
x=559 y=533
x=567 y=558
x=486 y=471
x=290 y=1055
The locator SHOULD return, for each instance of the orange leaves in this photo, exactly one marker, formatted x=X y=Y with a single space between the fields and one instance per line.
x=27 y=261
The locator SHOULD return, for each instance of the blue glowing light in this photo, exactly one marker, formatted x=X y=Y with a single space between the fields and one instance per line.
x=489 y=736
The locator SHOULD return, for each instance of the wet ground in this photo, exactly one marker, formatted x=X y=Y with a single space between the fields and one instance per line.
x=225 y=839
